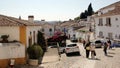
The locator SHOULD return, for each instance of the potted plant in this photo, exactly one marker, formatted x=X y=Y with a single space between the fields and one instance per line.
x=34 y=53
x=4 y=38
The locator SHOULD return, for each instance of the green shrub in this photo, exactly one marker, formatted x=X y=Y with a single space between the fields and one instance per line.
x=4 y=38
x=34 y=51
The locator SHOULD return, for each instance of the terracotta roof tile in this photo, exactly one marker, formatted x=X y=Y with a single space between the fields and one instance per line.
x=11 y=21
x=116 y=11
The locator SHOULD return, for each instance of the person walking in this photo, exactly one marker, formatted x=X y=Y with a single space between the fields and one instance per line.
x=105 y=48
x=92 y=49
x=84 y=42
x=109 y=43
x=87 y=48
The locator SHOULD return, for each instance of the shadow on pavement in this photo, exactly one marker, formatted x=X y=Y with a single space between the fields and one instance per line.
x=73 y=54
x=109 y=56
x=111 y=53
x=112 y=49
x=27 y=66
x=94 y=59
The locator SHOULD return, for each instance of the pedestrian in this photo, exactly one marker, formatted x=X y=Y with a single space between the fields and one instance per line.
x=109 y=43
x=105 y=48
x=87 y=48
x=92 y=49
x=84 y=42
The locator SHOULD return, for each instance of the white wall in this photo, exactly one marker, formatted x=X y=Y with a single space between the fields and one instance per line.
x=115 y=26
x=71 y=32
x=32 y=29
x=12 y=50
x=12 y=31
x=47 y=32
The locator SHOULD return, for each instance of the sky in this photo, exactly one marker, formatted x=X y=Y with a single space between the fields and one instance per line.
x=50 y=10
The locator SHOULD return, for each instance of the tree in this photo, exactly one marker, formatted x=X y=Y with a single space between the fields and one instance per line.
x=77 y=18
x=86 y=13
x=82 y=15
x=90 y=10
x=4 y=38
x=41 y=40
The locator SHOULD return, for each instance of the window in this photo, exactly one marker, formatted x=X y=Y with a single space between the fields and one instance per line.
x=116 y=19
x=42 y=29
x=34 y=36
x=117 y=25
x=100 y=34
x=108 y=22
x=100 y=22
x=50 y=30
x=119 y=36
x=30 y=39
x=116 y=36
x=110 y=35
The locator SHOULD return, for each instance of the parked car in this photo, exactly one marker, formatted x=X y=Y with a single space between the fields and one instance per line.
x=53 y=46
x=74 y=40
x=116 y=43
x=72 y=48
x=98 y=43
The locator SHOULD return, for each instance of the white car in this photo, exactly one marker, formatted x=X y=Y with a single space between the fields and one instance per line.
x=98 y=42
x=72 y=48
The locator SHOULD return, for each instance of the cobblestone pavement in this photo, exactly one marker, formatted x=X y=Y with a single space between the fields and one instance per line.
x=74 y=61
x=27 y=66
x=110 y=61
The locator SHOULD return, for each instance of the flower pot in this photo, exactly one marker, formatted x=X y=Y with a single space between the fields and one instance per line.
x=33 y=62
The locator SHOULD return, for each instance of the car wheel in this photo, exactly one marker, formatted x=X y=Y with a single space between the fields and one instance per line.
x=78 y=53
x=67 y=54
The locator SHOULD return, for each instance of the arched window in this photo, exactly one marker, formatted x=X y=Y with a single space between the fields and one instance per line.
x=101 y=34
x=34 y=36
x=119 y=36
x=42 y=29
x=50 y=30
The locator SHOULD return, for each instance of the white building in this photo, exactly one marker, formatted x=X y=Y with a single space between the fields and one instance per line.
x=48 y=29
x=19 y=30
x=108 y=22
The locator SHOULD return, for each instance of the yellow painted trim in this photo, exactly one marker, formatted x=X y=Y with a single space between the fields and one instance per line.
x=4 y=63
x=23 y=34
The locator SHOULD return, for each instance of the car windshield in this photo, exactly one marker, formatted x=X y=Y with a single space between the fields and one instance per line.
x=98 y=41
x=71 y=45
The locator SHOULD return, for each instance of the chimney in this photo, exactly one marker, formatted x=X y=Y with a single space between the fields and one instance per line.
x=19 y=17
x=31 y=18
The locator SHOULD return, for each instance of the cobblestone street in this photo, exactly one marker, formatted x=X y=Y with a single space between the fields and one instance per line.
x=110 y=61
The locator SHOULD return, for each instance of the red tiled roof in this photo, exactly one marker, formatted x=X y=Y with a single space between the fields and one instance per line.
x=11 y=21
x=116 y=11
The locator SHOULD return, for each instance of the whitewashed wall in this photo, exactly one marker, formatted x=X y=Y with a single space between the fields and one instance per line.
x=32 y=29
x=47 y=32
x=12 y=31
x=12 y=51
x=115 y=26
x=71 y=32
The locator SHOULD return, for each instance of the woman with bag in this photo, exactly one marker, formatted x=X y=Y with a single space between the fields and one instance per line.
x=92 y=49
x=87 y=48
